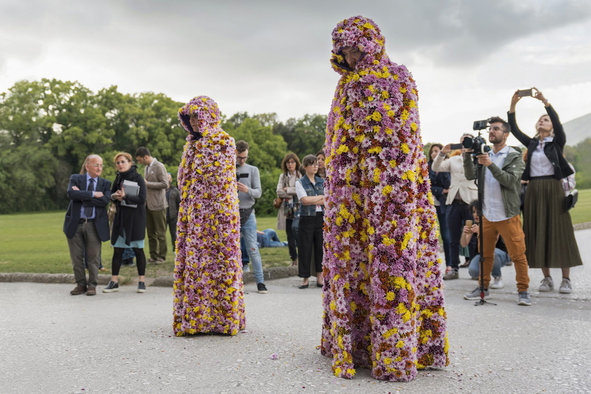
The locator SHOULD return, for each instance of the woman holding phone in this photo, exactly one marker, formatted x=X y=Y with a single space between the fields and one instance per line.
x=549 y=236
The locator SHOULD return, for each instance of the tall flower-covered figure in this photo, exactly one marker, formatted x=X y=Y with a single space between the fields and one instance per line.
x=383 y=299
x=208 y=289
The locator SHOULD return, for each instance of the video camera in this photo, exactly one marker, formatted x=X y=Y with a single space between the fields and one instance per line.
x=477 y=144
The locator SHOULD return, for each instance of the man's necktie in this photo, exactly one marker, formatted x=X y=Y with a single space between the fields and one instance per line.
x=88 y=208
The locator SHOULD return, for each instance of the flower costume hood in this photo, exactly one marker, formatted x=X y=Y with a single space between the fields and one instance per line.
x=382 y=297
x=208 y=115
x=356 y=32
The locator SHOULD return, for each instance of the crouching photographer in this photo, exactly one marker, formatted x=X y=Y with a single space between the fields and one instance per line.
x=500 y=178
x=470 y=240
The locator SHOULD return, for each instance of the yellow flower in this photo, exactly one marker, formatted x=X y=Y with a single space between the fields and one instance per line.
x=407 y=237
x=405 y=148
x=376 y=175
x=342 y=149
x=406 y=317
x=404 y=115
x=399 y=344
x=390 y=296
x=390 y=332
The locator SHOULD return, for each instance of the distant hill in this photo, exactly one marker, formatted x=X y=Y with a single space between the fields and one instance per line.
x=577 y=129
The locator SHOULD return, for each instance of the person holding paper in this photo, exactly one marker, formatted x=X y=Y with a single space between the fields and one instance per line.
x=129 y=226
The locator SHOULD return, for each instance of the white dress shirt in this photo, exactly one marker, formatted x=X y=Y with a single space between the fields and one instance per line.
x=493 y=207
x=540 y=164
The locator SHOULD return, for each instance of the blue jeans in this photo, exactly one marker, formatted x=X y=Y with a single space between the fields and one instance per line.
x=501 y=259
x=248 y=231
x=270 y=239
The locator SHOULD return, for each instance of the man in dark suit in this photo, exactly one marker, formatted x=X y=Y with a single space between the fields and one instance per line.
x=86 y=224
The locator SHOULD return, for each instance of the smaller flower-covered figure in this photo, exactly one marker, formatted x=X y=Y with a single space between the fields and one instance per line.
x=383 y=300
x=208 y=289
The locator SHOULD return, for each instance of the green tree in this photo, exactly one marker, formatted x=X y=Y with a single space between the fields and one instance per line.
x=304 y=136
x=580 y=157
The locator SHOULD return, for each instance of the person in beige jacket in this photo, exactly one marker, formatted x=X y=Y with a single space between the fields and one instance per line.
x=461 y=193
x=288 y=215
x=156 y=178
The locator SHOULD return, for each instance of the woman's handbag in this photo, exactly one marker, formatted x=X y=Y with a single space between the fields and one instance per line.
x=277 y=202
x=111 y=211
x=571 y=199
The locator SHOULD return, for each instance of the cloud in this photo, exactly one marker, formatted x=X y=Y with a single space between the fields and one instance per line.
x=273 y=56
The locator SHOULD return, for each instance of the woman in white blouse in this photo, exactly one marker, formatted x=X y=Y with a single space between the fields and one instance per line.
x=549 y=236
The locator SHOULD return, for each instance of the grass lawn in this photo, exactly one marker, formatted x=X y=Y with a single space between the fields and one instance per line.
x=34 y=242
x=581 y=213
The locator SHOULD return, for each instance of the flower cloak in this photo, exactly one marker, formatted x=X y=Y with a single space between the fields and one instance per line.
x=208 y=289
x=383 y=298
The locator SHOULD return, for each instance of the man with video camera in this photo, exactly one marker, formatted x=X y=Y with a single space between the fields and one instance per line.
x=500 y=179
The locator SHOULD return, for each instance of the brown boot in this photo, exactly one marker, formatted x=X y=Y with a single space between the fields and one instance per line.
x=78 y=290
x=91 y=291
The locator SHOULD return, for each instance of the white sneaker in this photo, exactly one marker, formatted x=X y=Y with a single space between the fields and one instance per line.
x=547 y=284
x=497 y=283
x=565 y=286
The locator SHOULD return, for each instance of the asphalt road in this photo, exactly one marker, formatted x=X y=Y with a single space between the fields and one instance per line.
x=52 y=342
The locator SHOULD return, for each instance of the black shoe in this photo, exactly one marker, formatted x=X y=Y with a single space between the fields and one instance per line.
x=141 y=287
x=304 y=286
x=262 y=289
x=111 y=287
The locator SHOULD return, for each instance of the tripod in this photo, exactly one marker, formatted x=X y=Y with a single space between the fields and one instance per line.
x=479 y=173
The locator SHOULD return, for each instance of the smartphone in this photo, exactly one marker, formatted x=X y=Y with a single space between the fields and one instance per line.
x=525 y=92
x=456 y=146
x=469 y=223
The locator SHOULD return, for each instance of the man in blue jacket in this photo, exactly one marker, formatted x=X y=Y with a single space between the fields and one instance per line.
x=86 y=224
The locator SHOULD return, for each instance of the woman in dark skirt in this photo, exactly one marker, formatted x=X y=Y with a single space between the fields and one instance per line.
x=129 y=225
x=549 y=234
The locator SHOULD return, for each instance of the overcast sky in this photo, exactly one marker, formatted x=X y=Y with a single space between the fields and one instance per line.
x=467 y=56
